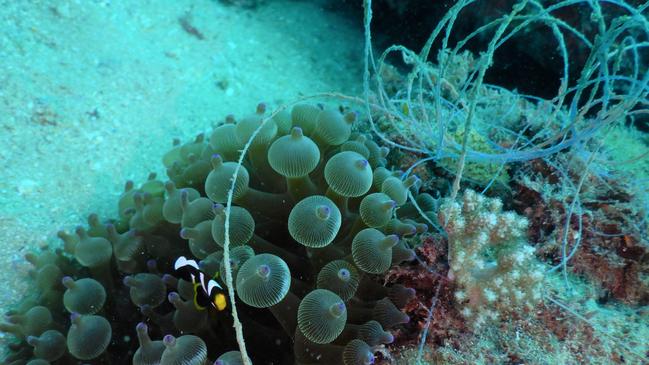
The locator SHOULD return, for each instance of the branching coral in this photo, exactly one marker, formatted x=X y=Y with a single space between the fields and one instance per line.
x=490 y=260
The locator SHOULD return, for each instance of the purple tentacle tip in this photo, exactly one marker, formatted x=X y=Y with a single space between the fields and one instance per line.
x=173 y=296
x=74 y=317
x=169 y=340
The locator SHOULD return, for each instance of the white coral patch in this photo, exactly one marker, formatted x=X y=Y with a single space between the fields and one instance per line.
x=482 y=239
x=515 y=275
x=460 y=296
x=518 y=295
x=459 y=224
x=467 y=312
x=480 y=199
x=490 y=295
x=522 y=223
x=519 y=257
x=529 y=250
x=495 y=205
x=492 y=220
x=460 y=256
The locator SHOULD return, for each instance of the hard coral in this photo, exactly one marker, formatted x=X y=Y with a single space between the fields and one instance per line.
x=313 y=222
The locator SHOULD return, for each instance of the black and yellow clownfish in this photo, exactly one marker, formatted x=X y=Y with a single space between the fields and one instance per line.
x=206 y=290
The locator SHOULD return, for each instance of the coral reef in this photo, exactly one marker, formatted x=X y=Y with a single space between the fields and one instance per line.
x=295 y=230
x=567 y=284
x=312 y=228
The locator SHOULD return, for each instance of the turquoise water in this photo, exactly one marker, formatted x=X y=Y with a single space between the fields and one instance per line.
x=94 y=93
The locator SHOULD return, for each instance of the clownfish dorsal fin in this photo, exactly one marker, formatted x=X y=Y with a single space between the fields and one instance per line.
x=182 y=262
x=211 y=285
x=203 y=283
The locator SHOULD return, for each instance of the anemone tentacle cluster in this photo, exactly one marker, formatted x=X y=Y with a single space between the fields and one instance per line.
x=315 y=216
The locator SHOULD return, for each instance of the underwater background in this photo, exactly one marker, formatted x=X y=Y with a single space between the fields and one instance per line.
x=94 y=93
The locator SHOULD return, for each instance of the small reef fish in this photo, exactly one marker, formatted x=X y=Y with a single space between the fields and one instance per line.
x=206 y=290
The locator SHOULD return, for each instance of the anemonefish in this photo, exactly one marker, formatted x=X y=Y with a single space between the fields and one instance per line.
x=206 y=291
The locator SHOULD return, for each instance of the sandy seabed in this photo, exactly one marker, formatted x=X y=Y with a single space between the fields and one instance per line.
x=93 y=92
